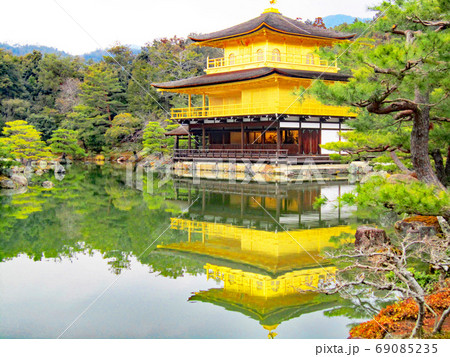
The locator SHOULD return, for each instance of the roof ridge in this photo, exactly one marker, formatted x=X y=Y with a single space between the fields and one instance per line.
x=284 y=18
x=275 y=22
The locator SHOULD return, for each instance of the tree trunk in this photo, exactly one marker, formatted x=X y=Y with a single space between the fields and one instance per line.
x=419 y=144
x=370 y=238
x=439 y=166
x=440 y=323
x=63 y=159
x=399 y=164
x=417 y=331
x=447 y=166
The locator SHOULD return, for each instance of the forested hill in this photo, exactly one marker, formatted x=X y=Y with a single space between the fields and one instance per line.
x=20 y=50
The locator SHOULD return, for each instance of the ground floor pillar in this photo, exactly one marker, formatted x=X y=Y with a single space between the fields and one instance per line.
x=189 y=138
x=278 y=137
x=203 y=138
x=242 y=136
x=299 y=141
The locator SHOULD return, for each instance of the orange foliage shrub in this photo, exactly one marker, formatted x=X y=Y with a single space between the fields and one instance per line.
x=440 y=300
x=429 y=221
x=390 y=318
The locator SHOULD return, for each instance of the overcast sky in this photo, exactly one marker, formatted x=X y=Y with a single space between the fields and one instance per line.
x=79 y=26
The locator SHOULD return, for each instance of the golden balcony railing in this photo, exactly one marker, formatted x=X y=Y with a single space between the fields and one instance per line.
x=285 y=107
x=270 y=59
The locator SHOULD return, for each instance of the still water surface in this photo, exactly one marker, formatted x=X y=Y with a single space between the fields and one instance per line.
x=208 y=260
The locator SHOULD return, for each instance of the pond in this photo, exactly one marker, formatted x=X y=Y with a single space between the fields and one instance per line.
x=96 y=257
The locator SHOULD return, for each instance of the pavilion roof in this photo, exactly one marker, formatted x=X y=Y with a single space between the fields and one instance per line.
x=248 y=74
x=182 y=130
x=276 y=22
x=270 y=311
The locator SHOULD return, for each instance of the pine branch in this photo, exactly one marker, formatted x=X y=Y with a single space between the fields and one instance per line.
x=440 y=24
x=395 y=106
x=403 y=115
x=408 y=34
x=440 y=119
x=400 y=74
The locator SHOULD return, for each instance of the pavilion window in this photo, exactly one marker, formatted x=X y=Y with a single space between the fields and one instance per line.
x=215 y=137
x=255 y=137
x=260 y=55
x=309 y=58
x=290 y=136
x=235 y=137
x=270 y=203
x=231 y=59
x=276 y=55
x=226 y=137
x=270 y=137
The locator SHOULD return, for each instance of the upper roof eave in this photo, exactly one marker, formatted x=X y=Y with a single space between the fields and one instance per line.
x=275 y=22
x=245 y=75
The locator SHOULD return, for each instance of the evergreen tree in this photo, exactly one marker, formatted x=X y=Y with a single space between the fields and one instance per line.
x=155 y=142
x=143 y=99
x=23 y=141
x=121 y=58
x=90 y=126
x=11 y=84
x=46 y=122
x=99 y=91
x=123 y=125
x=161 y=61
x=30 y=68
x=64 y=142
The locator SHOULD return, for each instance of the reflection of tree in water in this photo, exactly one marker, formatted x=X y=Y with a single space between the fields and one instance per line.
x=122 y=198
x=118 y=261
x=172 y=266
x=91 y=209
x=27 y=203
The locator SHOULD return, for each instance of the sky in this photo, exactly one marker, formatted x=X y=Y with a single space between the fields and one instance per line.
x=80 y=26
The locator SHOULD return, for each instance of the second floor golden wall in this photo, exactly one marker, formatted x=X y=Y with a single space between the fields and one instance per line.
x=269 y=95
x=269 y=49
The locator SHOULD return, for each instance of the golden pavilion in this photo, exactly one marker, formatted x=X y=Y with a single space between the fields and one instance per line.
x=250 y=97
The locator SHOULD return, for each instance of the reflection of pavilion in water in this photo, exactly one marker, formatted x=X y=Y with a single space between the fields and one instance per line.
x=240 y=204
x=261 y=266
x=270 y=301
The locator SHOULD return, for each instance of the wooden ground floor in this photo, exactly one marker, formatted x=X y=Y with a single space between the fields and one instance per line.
x=259 y=138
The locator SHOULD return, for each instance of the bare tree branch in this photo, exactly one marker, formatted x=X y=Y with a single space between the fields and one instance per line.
x=386 y=267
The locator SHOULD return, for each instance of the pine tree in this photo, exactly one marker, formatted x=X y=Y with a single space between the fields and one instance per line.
x=23 y=141
x=64 y=142
x=99 y=91
x=122 y=126
x=155 y=142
